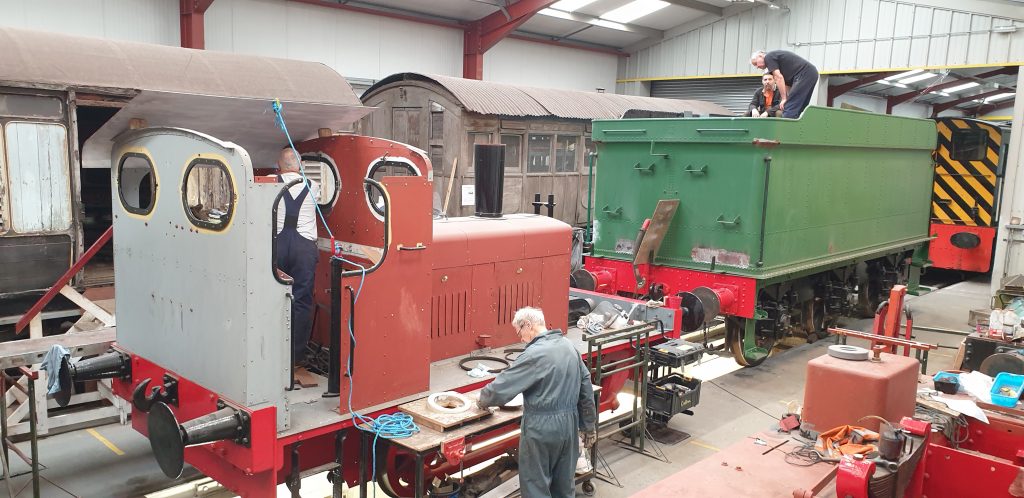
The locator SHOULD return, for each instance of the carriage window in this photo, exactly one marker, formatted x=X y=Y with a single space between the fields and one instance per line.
x=31 y=106
x=513 y=150
x=565 y=153
x=378 y=172
x=436 y=121
x=208 y=194
x=538 y=158
x=324 y=175
x=969 y=145
x=136 y=183
x=38 y=177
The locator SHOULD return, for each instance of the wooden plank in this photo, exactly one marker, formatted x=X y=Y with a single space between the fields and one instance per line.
x=430 y=440
x=425 y=417
x=87 y=305
x=30 y=351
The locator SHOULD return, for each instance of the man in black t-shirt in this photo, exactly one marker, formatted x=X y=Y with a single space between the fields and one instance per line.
x=794 y=77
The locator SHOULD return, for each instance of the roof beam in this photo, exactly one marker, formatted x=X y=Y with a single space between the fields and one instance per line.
x=483 y=34
x=896 y=100
x=837 y=90
x=698 y=5
x=937 y=108
x=193 y=24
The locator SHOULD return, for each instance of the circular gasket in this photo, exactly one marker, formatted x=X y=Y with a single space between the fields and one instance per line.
x=464 y=363
x=511 y=351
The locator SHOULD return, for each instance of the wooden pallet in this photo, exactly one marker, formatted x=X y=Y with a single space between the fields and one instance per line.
x=424 y=416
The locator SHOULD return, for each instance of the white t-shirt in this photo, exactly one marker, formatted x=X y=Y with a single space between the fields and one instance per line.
x=306 y=225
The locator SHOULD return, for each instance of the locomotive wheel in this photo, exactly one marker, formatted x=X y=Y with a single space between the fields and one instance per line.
x=396 y=473
x=748 y=355
x=814 y=320
x=869 y=292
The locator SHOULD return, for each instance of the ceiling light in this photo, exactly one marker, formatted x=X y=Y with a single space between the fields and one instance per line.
x=962 y=87
x=608 y=24
x=1005 y=29
x=942 y=94
x=893 y=83
x=571 y=5
x=634 y=10
x=999 y=96
x=556 y=13
x=903 y=75
x=917 y=77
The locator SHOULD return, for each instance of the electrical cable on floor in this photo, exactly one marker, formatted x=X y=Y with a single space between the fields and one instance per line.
x=773 y=417
x=388 y=425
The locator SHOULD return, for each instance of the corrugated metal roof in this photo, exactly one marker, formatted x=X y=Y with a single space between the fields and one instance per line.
x=485 y=97
x=64 y=61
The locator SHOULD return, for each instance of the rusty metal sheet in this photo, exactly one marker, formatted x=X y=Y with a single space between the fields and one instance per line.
x=487 y=97
x=60 y=61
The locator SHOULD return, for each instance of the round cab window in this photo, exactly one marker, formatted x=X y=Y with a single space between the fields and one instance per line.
x=136 y=183
x=322 y=172
x=208 y=194
x=378 y=172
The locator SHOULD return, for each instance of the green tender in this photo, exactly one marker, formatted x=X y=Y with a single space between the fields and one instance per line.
x=841 y=185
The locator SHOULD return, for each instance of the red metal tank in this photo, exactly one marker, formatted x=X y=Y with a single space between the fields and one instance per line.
x=840 y=392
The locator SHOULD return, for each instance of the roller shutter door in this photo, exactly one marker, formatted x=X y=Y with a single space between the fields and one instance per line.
x=732 y=93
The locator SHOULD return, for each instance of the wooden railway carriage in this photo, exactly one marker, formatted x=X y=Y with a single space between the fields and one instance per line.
x=546 y=133
x=56 y=91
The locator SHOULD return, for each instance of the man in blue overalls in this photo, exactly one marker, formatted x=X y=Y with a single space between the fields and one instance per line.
x=296 y=247
x=558 y=404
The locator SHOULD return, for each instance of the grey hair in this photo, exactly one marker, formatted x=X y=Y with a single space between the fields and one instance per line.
x=757 y=53
x=528 y=316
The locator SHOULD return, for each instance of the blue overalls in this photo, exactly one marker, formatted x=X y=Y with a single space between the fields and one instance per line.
x=558 y=402
x=296 y=256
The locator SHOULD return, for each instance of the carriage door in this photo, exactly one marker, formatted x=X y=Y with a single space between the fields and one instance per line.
x=36 y=236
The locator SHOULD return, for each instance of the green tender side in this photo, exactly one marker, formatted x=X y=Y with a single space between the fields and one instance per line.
x=842 y=185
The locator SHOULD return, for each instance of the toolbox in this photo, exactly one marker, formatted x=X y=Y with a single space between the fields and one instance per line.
x=672 y=394
x=676 y=353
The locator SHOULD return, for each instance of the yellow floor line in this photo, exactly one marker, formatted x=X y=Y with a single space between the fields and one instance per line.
x=702 y=445
x=106 y=442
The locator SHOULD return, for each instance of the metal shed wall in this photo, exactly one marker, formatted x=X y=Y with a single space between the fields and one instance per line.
x=839 y=35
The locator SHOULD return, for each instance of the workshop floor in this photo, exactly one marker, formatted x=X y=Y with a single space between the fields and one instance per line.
x=114 y=461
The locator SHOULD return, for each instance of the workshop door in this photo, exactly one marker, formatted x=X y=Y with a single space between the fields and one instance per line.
x=406 y=126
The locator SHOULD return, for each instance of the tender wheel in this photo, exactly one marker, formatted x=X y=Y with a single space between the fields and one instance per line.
x=869 y=290
x=588 y=488
x=748 y=355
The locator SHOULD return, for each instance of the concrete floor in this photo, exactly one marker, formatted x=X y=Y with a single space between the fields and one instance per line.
x=114 y=461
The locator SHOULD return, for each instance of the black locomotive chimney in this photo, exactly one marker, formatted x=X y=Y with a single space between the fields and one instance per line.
x=489 y=169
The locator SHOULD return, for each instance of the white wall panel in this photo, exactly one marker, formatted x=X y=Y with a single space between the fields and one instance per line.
x=535 y=64
x=150 y=21
x=841 y=35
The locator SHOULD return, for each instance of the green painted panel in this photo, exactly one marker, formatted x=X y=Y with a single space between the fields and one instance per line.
x=839 y=183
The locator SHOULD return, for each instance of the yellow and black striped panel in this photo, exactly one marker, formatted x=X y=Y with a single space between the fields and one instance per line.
x=964 y=192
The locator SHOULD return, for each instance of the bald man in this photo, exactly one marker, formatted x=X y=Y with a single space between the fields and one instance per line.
x=795 y=78
x=296 y=247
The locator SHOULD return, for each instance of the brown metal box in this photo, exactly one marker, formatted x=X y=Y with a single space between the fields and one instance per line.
x=840 y=392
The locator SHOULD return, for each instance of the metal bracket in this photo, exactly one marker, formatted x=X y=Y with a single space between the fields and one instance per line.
x=612 y=212
x=696 y=171
x=166 y=393
x=644 y=169
x=665 y=156
x=735 y=221
x=294 y=480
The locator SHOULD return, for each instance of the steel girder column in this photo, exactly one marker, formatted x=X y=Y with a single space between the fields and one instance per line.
x=482 y=34
x=192 y=23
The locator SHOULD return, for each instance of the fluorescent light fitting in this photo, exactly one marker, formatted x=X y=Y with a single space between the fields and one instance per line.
x=1010 y=28
x=962 y=87
x=999 y=96
x=608 y=24
x=634 y=10
x=892 y=83
x=571 y=5
x=941 y=94
x=918 y=77
x=901 y=76
x=556 y=13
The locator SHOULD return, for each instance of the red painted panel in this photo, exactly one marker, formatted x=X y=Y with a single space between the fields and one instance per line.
x=678 y=280
x=953 y=473
x=945 y=255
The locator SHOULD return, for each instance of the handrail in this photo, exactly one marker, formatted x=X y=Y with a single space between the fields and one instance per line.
x=64 y=279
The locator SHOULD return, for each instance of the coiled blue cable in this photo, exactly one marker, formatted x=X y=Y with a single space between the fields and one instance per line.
x=388 y=425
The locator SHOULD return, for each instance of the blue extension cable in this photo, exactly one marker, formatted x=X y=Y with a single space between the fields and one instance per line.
x=388 y=425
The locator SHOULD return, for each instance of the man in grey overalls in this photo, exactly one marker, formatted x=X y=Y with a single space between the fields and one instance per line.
x=296 y=247
x=558 y=404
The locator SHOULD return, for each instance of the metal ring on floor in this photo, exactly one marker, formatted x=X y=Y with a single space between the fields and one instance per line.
x=463 y=362
x=512 y=351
